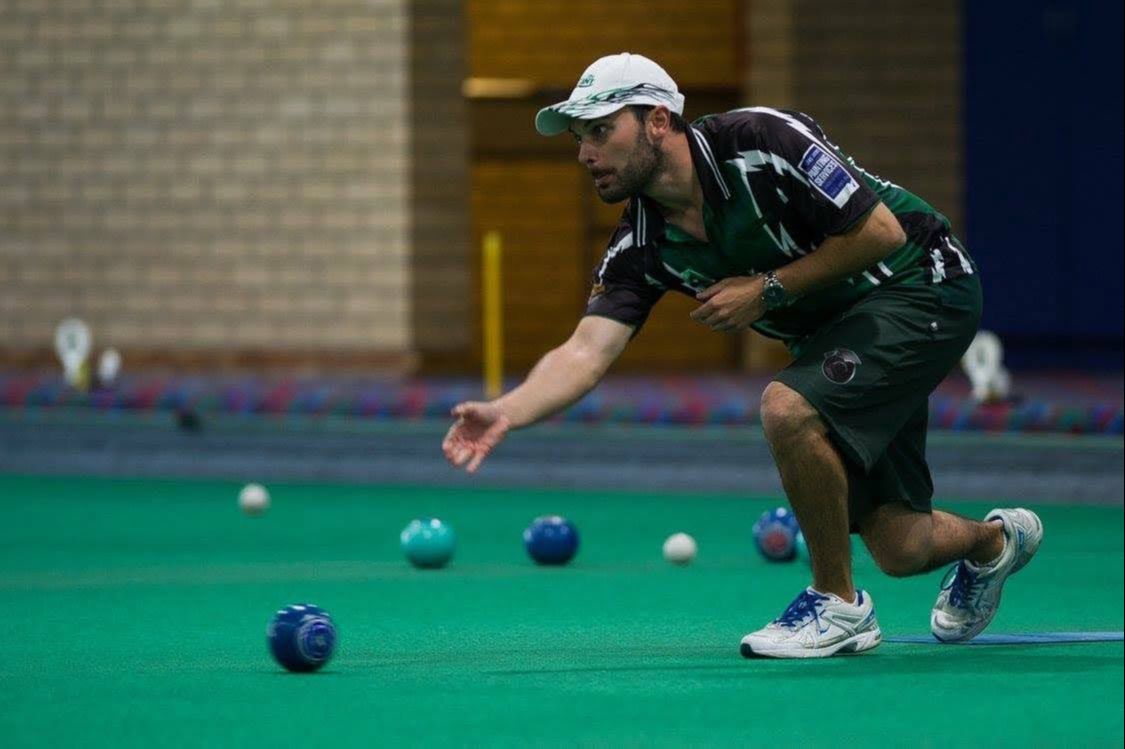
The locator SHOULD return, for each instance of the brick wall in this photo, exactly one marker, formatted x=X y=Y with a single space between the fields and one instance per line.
x=203 y=174
x=439 y=241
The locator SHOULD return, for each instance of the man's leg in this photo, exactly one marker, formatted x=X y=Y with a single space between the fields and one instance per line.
x=830 y=418
x=815 y=482
x=832 y=616
x=906 y=542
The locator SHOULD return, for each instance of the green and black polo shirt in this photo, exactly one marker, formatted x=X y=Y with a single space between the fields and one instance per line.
x=774 y=188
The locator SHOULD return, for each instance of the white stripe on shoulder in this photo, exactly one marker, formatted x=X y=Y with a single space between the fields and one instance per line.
x=705 y=147
x=939 y=265
x=625 y=243
x=965 y=265
x=750 y=161
x=789 y=120
x=804 y=130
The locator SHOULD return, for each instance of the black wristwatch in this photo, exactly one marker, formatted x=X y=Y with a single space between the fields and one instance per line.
x=773 y=293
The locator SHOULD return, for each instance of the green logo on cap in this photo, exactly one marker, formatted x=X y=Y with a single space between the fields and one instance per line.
x=587 y=80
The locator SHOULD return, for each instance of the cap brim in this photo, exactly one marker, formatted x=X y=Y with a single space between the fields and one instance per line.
x=550 y=121
x=554 y=119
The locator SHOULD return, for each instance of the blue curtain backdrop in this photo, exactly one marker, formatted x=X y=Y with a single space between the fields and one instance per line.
x=1044 y=170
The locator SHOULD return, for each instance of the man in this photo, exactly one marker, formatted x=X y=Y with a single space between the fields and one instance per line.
x=771 y=227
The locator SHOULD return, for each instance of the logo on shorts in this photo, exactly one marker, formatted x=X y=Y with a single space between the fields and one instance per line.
x=839 y=365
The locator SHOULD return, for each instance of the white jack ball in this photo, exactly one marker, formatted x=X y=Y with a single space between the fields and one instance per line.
x=680 y=548
x=254 y=499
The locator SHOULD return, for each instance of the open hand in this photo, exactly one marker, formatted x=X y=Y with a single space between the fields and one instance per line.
x=479 y=428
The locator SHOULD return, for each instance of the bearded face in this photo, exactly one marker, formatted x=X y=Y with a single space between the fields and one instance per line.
x=641 y=164
x=619 y=155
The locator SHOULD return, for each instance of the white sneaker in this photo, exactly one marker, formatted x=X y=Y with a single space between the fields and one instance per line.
x=970 y=593
x=817 y=625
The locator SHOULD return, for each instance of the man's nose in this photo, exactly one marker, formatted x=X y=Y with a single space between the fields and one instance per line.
x=585 y=153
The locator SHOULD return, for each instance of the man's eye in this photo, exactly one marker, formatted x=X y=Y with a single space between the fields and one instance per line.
x=596 y=133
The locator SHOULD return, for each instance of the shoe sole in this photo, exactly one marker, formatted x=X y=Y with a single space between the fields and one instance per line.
x=855 y=644
x=956 y=639
x=1031 y=546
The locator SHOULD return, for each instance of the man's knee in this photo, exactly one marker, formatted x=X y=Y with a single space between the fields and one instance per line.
x=900 y=549
x=905 y=561
x=786 y=415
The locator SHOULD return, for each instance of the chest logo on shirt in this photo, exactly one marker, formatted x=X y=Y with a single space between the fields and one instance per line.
x=828 y=175
x=839 y=365
x=690 y=278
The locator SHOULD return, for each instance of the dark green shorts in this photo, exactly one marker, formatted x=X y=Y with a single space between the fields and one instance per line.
x=870 y=373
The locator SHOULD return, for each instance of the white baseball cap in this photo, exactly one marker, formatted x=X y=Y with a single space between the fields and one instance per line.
x=608 y=85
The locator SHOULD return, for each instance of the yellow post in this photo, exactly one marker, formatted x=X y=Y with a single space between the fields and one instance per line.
x=492 y=321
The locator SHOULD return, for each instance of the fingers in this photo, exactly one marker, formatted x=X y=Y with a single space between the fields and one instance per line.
x=477 y=460
x=729 y=304
x=731 y=323
x=745 y=325
x=473 y=456
x=459 y=452
x=453 y=441
x=709 y=316
x=712 y=290
x=453 y=446
x=447 y=443
x=703 y=313
x=473 y=435
x=716 y=319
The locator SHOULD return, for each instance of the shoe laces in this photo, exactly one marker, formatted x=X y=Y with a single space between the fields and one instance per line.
x=963 y=584
x=804 y=608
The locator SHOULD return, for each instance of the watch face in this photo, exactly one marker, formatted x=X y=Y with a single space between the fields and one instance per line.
x=774 y=295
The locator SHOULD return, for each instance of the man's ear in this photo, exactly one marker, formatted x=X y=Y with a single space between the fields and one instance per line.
x=659 y=121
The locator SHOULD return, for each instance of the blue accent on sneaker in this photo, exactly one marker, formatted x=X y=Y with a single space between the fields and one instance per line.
x=803 y=608
x=964 y=586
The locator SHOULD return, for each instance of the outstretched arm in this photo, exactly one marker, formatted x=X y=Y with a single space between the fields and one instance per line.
x=559 y=379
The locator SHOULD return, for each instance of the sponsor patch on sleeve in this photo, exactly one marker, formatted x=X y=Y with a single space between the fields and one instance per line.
x=828 y=175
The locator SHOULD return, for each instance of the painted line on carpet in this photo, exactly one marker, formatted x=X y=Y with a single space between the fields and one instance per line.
x=1038 y=638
